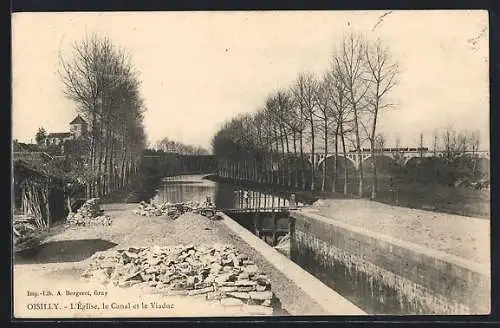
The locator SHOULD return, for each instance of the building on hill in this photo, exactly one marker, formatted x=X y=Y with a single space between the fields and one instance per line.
x=57 y=138
x=78 y=130
x=78 y=127
x=74 y=143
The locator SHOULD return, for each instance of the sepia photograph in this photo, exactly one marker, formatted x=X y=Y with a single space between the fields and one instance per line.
x=250 y=164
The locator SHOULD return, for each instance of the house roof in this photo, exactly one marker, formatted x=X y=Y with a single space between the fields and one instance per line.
x=33 y=169
x=78 y=120
x=38 y=163
x=21 y=147
x=36 y=157
x=59 y=135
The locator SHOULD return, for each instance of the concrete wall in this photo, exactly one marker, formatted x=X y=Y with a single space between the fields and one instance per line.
x=388 y=276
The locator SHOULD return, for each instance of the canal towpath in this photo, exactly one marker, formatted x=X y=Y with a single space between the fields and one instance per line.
x=462 y=236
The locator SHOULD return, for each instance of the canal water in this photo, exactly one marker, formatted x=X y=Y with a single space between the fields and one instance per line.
x=183 y=188
x=197 y=188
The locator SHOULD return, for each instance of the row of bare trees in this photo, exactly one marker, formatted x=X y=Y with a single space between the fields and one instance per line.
x=455 y=143
x=339 y=109
x=175 y=147
x=100 y=79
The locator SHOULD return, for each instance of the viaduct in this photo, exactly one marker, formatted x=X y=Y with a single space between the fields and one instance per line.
x=403 y=154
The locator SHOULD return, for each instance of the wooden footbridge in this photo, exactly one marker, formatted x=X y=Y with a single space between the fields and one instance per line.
x=263 y=217
x=282 y=209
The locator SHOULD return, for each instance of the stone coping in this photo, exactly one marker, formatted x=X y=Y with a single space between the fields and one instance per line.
x=480 y=268
x=327 y=298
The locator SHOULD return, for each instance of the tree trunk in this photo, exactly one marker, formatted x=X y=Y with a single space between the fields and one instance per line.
x=372 y=146
x=302 y=164
x=68 y=203
x=99 y=172
x=113 y=163
x=287 y=162
x=344 y=150
x=107 y=160
x=335 y=160
x=123 y=168
x=93 y=148
x=323 y=181
x=374 y=168
x=358 y=149
x=294 y=162
x=312 y=153
x=283 y=157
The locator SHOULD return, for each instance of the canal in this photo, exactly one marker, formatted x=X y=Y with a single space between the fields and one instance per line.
x=184 y=188
x=367 y=292
x=198 y=188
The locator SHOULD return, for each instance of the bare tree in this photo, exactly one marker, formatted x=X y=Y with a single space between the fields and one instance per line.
x=304 y=91
x=325 y=114
x=101 y=81
x=474 y=139
x=296 y=125
x=299 y=117
x=421 y=144
x=380 y=143
x=474 y=143
x=276 y=136
x=351 y=65
x=462 y=142
x=449 y=139
x=382 y=78
x=342 y=114
x=435 y=141
x=398 y=153
x=171 y=146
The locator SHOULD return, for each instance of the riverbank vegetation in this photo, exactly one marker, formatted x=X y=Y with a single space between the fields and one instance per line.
x=174 y=147
x=321 y=135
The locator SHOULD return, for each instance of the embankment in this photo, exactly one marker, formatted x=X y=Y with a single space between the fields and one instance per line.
x=386 y=275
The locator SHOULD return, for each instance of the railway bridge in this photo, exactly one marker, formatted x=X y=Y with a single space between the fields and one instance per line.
x=405 y=155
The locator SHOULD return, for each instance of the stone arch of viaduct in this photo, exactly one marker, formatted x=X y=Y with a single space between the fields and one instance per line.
x=406 y=156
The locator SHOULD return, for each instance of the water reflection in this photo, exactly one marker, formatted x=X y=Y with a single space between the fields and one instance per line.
x=195 y=188
x=267 y=225
x=176 y=190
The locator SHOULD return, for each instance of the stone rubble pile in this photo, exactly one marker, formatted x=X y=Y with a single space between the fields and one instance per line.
x=25 y=232
x=173 y=211
x=216 y=273
x=24 y=225
x=89 y=214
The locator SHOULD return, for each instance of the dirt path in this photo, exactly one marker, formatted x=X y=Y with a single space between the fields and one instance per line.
x=65 y=254
x=461 y=236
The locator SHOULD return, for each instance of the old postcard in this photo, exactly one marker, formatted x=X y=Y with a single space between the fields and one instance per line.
x=250 y=163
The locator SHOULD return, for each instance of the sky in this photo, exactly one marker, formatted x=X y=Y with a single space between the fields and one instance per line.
x=199 y=69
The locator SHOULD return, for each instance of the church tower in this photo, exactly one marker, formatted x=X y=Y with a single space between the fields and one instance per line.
x=78 y=127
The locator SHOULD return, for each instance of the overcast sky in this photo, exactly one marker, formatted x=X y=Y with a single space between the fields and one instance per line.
x=202 y=68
